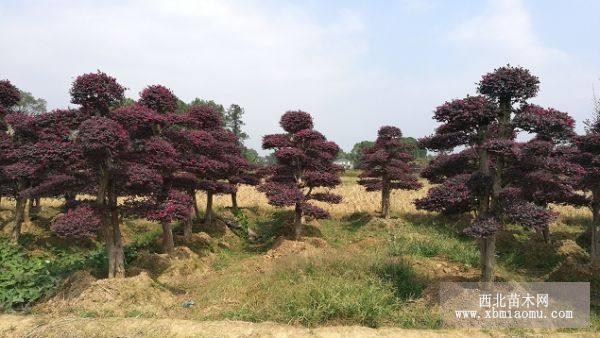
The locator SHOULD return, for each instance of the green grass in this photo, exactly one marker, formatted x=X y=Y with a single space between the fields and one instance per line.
x=330 y=289
x=374 y=286
x=225 y=258
x=402 y=277
x=28 y=275
x=423 y=241
x=330 y=286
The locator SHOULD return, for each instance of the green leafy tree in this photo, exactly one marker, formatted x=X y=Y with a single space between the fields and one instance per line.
x=342 y=155
x=357 y=151
x=127 y=102
x=30 y=105
x=251 y=155
x=182 y=107
x=234 y=122
x=417 y=152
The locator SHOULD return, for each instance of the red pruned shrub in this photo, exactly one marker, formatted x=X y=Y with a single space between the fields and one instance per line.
x=9 y=94
x=80 y=222
x=514 y=83
x=483 y=227
x=96 y=91
x=159 y=99
x=294 y=121
x=304 y=163
x=177 y=206
x=387 y=165
x=101 y=137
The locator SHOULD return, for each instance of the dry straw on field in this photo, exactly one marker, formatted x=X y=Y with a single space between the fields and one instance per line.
x=355 y=199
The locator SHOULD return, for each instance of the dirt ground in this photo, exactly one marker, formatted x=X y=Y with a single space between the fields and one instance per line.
x=64 y=327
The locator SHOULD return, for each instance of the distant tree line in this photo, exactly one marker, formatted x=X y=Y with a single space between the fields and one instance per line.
x=418 y=152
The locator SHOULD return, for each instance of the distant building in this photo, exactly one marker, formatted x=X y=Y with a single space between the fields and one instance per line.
x=345 y=163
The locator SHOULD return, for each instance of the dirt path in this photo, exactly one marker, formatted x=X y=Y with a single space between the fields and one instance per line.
x=36 y=326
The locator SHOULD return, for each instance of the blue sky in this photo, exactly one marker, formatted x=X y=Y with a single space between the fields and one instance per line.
x=354 y=65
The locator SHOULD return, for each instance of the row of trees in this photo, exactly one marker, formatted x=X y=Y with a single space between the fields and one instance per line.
x=501 y=179
x=156 y=153
x=153 y=155
x=144 y=152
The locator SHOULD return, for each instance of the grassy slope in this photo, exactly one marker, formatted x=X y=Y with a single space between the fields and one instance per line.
x=363 y=270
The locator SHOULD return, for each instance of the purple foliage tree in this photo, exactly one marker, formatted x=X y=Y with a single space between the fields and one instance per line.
x=490 y=175
x=210 y=156
x=36 y=151
x=15 y=174
x=155 y=161
x=387 y=166
x=304 y=162
x=587 y=155
x=210 y=159
x=104 y=144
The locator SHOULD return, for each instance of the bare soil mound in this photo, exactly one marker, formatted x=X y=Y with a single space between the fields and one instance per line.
x=186 y=270
x=569 y=248
x=284 y=247
x=138 y=295
x=199 y=242
x=381 y=223
x=74 y=285
x=441 y=271
x=573 y=271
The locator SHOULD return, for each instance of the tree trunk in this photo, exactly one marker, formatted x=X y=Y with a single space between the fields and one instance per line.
x=595 y=247
x=504 y=131
x=27 y=213
x=69 y=199
x=187 y=229
x=546 y=234
x=488 y=247
x=208 y=215
x=505 y=128
x=107 y=202
x=488 y=252
x=298 y=221
x=168 y=243
x=484 y=168
x=192 y=194
x=385 y=201
x=114 y=243
x=34 y=206
x=496 y=186
x=234 y=205
x=18 y=220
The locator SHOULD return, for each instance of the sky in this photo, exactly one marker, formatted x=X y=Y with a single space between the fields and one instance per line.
x=354 y=65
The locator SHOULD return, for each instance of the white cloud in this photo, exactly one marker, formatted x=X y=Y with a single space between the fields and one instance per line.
x=267 y=59
x=504 y=33
x=505 y=28
x=351 y=72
